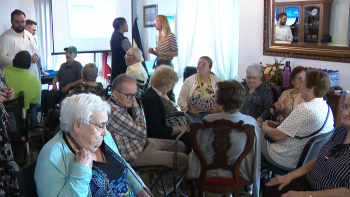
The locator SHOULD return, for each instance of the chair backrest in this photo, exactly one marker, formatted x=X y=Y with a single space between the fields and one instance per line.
x=313 y=147
x=221 y=144
x=16 y=107
x=108 y=92
x=189 y=71
x=26 y=181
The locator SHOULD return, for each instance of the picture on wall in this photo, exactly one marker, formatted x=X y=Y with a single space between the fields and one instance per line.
x=149 y=15
x=172 y=22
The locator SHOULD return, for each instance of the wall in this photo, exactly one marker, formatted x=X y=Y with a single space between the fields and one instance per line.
x=148 y=34
x=251 y=44
x=339 y=21
x=8 y=6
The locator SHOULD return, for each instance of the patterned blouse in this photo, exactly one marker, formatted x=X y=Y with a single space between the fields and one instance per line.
x=203 y=104
x=259 y=102
x=83 y=88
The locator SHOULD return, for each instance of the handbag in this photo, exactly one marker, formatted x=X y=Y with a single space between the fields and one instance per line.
x=298 y=137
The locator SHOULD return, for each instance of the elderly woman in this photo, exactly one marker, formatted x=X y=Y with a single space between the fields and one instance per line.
x=290 y=98
x=286 y=142
x=197 y=96
x=89 y=75
x=259 y=95
x=82 y=159
x=158 y=107
x=231 y=95
x=327 y=175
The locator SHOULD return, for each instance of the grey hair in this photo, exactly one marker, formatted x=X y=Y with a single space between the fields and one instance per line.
x=136 y=52
x=254 y=67
x=119 y=81
x=89 y=72
x=82 y=107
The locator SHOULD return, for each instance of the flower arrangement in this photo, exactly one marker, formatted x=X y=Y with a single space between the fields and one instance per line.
x=273 y=73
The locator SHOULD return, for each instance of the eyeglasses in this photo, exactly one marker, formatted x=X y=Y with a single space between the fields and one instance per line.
x=102 y=126
x=128 y=55
x=344 y=107
x=130 y=96
x=202 y=64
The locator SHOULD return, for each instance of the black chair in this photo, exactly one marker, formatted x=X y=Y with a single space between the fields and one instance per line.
x=26 y=182
x=310 y=151
x=189 y=71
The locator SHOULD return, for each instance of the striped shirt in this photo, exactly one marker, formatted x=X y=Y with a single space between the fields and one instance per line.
x=333 y=172
x=168 y=44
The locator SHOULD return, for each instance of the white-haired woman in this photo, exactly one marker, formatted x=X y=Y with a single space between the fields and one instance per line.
x=259 y=95
x=82 y=159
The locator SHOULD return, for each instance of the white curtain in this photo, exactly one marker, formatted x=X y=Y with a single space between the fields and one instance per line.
x=186 y=13
x=224 y=36
x=43 y=17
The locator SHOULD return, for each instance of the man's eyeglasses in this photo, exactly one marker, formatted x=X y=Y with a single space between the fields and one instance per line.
x=102 y=126
x=129 y=55
x=130 y=96
x=344 y=107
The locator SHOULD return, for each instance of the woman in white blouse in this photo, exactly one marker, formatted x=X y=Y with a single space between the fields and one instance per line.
x=197 y=96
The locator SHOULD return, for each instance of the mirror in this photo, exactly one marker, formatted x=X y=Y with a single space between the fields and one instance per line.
x=308 y=28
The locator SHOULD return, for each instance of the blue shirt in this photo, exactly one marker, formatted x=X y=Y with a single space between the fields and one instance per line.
x=57 y=173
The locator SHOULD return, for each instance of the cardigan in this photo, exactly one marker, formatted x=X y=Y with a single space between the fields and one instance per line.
x=155 y=116
x=57 y=173
x=188 y=88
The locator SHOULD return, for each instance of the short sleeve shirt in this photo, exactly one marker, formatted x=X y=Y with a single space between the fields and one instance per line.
x=304 y=120
x=68 y=74
x=168 y=44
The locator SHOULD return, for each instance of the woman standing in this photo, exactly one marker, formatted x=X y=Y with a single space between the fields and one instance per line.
x=197 y=96
x=166 y=46
x=119 y=46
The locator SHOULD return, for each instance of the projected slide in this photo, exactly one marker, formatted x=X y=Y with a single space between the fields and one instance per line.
x=90 y=18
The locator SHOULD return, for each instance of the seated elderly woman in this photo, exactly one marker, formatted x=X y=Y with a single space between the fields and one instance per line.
x=82 y=159
x=259 y=95
x=231 y=95
x=197 y=96
x=285 y=143
x=158 y=107
x=290 y=98
x=326 y=175
x=89 y=75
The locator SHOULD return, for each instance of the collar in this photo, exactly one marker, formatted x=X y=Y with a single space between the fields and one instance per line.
x=137 y=64
x=316 y=100
x=116 y=102
x=159 y=93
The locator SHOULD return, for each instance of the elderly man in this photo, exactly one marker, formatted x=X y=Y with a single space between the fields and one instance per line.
x=133 y=58
x=130 y=133
x=21 y=80
x=259 y=95
x=18 y=39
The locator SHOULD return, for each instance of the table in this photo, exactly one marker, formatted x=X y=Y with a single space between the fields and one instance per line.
x=47 y=79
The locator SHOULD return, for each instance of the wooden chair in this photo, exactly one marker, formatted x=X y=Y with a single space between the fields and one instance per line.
x=222 y=129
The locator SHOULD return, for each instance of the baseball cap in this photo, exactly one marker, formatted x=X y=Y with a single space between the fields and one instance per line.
x=72 y=49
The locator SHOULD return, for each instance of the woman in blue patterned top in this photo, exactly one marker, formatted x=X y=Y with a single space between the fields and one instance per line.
x=82 y=159
x=327 y=175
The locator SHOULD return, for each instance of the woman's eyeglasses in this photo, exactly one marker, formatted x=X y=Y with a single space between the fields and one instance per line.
x=344 y=107
x=130 y=96
x=102 y=126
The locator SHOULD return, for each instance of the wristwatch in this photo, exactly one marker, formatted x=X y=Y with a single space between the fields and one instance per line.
x=310 y=193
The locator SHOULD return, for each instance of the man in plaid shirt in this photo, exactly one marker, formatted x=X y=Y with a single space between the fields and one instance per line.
x=130 y=133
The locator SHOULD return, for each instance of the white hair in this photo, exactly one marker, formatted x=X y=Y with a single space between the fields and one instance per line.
x=82 y=107
x=253 y=68
x=136 y=52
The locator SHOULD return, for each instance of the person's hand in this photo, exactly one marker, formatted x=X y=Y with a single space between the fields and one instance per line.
x=271 y=123
x=9 y=93
x=260 y=121
x=2 y=97
x=296 y=194
x=214 y=110
x=151 y=50
x=43 y=72
x=143 y=193
x=280 y=180
x=193 y=111
x=66 y=88
x=84 y=157
x=279 y=106
x=34 y=58
x=157 y=50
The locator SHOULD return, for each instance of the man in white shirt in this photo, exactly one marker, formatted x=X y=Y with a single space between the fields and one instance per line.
x=308 y=119
x=133 y=58
x=283 y=33
x=18 y=39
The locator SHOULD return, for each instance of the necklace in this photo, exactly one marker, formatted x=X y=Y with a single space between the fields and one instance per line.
x=73 y=141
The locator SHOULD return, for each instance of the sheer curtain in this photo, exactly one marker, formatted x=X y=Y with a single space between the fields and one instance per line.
x=44 y=41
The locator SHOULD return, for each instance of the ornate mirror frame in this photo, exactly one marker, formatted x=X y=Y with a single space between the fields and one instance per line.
x=314 y=52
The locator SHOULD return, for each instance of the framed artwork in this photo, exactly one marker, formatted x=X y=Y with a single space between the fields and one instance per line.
x=172 y=22
x=149 y=15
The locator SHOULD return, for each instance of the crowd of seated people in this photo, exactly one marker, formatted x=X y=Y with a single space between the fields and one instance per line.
x=100 y=141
